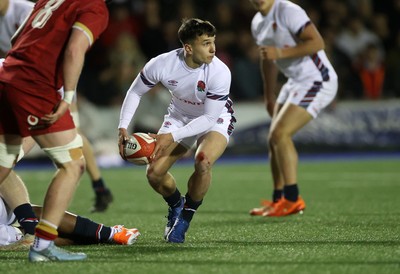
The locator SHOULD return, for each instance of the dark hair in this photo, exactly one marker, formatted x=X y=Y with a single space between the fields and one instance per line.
x=193 y=27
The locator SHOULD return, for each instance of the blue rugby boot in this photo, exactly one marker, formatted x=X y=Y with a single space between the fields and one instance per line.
x=178 y=231
x=173 y=214
x=54 y=253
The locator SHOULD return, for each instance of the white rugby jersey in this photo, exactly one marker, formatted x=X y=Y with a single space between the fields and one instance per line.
x=15 y=15
x=199 y=96
x=281 y=28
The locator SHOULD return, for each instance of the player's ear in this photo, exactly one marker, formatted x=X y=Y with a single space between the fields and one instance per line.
x=188 y=48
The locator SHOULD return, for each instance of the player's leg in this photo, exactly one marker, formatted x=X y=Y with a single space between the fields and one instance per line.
x=10 y=147
x=289 y=120
x=277 y=179
x=277 y=176
x=303 y=103
x=65 y=149
x=157 y=172
x=103 y=194
x=15 y=194
x=164 y=183
x=75 y=229
x=210 y=148
x=10 y=139
x=27 y=144
x=12 y=191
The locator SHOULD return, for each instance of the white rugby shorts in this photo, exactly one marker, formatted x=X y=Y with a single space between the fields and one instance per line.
x=312 y=95
x=223 y=126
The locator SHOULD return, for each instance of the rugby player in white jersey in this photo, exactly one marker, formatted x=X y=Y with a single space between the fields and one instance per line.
x=12 y=15
x=290 y=43
x=200 y=111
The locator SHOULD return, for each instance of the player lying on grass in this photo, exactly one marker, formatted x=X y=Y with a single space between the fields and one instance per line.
x=73 y=229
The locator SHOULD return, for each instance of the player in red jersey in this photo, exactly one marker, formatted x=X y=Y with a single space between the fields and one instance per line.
x=13 y=14
x=48 y=52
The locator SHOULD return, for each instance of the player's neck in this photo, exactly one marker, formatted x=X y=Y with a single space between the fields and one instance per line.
x=190 y=63
x=4 y=7
x=265 y=10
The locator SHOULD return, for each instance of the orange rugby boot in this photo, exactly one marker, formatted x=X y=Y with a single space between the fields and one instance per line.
x=266 y=207
x=125 y=236
x=285 y=207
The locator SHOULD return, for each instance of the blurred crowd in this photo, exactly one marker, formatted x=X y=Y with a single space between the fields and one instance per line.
x=362 y=41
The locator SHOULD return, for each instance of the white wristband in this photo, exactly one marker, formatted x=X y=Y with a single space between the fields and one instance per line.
x=69 y=96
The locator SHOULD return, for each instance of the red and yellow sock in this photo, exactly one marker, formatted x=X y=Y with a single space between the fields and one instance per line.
x=45 y=233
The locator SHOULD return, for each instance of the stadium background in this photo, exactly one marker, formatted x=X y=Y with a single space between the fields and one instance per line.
x=362 y=41
x=352 y=217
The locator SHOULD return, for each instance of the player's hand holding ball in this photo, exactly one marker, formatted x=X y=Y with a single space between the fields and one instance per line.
x=163 y=141
x=138 y=148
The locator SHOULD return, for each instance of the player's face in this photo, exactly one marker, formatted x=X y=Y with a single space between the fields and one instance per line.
x=262 y=5
x=202 y=50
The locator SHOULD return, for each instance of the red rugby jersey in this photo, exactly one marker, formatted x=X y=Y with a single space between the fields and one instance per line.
x=36 y=57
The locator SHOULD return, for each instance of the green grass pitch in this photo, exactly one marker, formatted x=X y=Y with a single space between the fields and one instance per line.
x=351 y=223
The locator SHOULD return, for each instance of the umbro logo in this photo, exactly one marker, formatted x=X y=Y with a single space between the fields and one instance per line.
x=172 y=83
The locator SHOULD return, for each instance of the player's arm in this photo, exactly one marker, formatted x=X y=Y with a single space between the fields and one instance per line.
x=269 y=74
x=129 y=107
x=74 y=56
x=213 y=107
x=310 y=43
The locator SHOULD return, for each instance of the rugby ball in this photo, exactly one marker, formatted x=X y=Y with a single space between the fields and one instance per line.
x=139 y=148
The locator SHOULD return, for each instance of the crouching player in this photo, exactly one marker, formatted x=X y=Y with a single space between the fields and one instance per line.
x=200 y=112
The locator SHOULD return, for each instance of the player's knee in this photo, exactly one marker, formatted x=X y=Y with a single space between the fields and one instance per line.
x=71 y=152
x=75 y=168
x=276 y=136
x=153 y=174
x=202 y=163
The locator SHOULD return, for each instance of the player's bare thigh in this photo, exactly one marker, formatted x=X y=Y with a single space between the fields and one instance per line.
x=27 y=144
x=56 y=139
x=290 y=119
x=170 y=155
x=213 y=144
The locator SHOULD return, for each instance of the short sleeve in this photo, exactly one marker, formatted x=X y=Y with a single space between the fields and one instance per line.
x=295 y=18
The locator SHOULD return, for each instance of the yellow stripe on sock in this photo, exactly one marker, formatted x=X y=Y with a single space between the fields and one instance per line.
x=45 y=231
